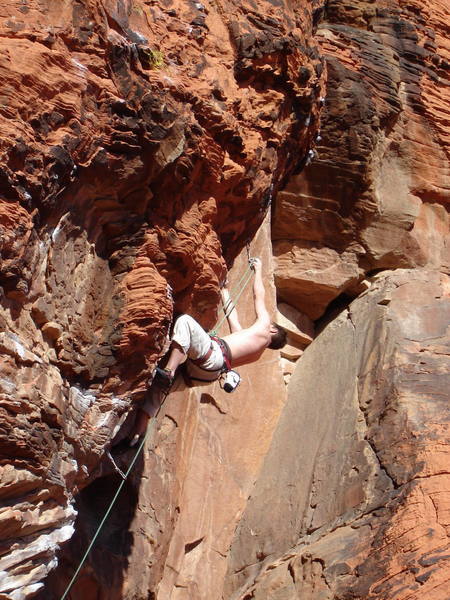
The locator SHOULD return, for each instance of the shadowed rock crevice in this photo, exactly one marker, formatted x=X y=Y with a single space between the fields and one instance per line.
x=207 y=399
x=107 y=563
x=192 y=545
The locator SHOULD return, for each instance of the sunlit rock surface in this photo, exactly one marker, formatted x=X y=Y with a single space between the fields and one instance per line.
x=377 y=194
x=352 y=501
x=143 y=144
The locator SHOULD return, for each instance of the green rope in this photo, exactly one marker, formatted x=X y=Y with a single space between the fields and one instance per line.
x=232 y=302
x=238 y=284
x=119 y=489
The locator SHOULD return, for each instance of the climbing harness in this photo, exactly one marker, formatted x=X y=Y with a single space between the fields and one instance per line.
x=124 y=476
x=208 y=375
x=226 y=352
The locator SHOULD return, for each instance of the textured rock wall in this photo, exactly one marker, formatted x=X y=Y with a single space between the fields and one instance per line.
x=352 y=501
x=142 y=143
x=170 y=533
x=377 y=194
x=358 y=469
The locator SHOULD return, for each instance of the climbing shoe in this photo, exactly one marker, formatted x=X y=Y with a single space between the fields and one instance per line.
x=162 y=379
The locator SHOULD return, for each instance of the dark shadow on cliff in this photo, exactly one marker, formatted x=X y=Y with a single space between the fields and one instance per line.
x=104 y=571
x=334 y=309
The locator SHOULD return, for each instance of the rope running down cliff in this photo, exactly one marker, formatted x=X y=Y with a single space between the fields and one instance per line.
x=113 y=501
x=228 y=308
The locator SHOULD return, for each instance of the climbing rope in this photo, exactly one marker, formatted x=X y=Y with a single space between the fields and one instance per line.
x=229 y=306
x=116 y=495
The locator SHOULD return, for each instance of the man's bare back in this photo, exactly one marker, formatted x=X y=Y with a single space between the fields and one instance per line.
x=247 y=345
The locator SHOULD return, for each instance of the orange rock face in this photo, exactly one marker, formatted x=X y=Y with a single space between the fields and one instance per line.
x=377 y=195
x=363 y=503
x=143 y=145
x=358 y=467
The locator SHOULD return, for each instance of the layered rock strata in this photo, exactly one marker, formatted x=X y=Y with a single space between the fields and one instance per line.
x=142 y=143
x=142 y=146
x=185 y=497
x=375 y=198
x=377 y=194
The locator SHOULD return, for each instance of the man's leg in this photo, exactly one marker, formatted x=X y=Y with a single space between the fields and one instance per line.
x=176 y=357
x=163 y=377
x=188 y=338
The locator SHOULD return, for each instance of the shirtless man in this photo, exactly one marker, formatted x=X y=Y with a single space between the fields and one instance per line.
x=247 y=345
x=205 y=356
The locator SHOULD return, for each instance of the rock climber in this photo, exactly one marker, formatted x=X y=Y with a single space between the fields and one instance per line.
x=208 y=357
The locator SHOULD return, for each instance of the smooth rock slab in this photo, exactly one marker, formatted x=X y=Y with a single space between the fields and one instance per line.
x=356 y=482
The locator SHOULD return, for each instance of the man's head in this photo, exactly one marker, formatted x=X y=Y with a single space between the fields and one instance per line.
x=278 y=335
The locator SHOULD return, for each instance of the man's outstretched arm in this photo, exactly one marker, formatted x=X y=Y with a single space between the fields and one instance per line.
x=230 y=311
x=259 y=294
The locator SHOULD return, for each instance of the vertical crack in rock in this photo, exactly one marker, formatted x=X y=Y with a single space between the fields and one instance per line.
x=364 y=410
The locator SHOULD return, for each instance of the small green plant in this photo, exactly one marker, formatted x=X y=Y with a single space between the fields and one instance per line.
x=152 y=59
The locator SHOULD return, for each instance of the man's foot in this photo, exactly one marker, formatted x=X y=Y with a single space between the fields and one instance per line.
x=161 y=383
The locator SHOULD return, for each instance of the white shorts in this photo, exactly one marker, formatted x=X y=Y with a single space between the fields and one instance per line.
x=195 y=342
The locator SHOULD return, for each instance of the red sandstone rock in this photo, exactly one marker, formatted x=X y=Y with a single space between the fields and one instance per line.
x=142 y=144
x=377 y=194
x=352 y=498
x=298 y=326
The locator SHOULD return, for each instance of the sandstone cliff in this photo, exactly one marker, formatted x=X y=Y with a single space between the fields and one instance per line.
x=143 y=145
